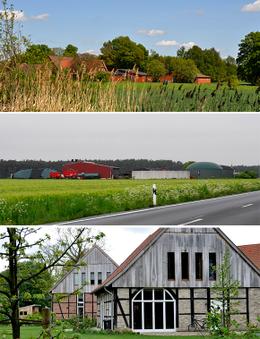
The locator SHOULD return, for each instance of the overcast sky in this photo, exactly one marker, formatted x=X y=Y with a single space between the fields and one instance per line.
x=230 y=139
x=120 y=241
x=163 y=25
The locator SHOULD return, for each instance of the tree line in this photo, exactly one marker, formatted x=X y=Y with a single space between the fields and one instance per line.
x=126 y=166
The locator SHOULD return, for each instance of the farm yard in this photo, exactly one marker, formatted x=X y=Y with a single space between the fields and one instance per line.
x=41 y=94
x=47 y=201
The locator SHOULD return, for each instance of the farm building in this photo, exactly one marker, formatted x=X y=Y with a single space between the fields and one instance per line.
x=84 y=167
x=167 y=282
x=66 y=301
x=209 y=170
x=161 y=174
x=166 y=78
x=28 y=310
x=127 y=74
x=33 y=173
x=202 y=79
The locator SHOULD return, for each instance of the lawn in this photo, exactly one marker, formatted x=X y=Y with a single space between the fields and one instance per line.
x=33 y=332
x=45 y=201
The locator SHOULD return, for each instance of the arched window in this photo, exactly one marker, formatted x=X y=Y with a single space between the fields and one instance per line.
x=153 y=309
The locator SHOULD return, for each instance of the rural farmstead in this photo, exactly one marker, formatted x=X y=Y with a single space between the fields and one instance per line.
x=66 y=303
x=167 y=282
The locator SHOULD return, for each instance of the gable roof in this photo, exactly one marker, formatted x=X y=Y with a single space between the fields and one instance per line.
x=94 y=65
x=252 y=252
x=85 y=256
x=145 y=245
x=62 y=62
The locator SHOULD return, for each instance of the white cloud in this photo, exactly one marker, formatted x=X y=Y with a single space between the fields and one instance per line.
x=252 y=7
x=20 y=15
x=17 y=15
x=188 y=45
x=167 y=43
x=43 y=16
x=151 y=32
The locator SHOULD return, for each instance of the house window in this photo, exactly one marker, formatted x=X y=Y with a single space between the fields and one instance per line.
x=153 y=309
x=80 y=305
x=212 y=266
x=171 y=265
x=92 y=278
x=108 y=274
x=76 y=279
x=83 y=279
x=99 y=278
x=199 y=266
x=185 y=266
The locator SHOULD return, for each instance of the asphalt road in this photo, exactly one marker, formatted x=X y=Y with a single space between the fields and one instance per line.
x=240 y=209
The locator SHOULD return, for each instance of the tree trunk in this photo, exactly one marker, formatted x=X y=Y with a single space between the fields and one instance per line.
x=14 y=292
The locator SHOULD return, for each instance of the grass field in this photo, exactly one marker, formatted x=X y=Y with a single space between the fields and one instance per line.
x=41 y=92
x=46 y=201
x=33 y=332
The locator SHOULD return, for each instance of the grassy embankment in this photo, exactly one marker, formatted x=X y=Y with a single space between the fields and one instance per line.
x=41 y=92
x=45 y=201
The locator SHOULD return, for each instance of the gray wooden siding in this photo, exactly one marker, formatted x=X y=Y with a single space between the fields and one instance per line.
x=96 y=262
x=150 y=270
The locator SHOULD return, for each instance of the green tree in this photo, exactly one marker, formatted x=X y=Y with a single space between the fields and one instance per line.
x=70 y=51
x=122 y=52
x=248 y=59
x=184 y=70
x=156 y=69
x=15 y=247
x=225 y=289
x=37 y=54
x=12 y=42
x=181 y=52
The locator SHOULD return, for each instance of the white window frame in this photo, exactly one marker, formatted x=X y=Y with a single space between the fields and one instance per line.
x=153 y=301
x=81 y=304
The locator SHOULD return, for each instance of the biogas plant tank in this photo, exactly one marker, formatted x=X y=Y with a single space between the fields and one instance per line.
x=205 y=170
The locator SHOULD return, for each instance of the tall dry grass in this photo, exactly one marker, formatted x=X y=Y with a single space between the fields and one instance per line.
x=42 y=91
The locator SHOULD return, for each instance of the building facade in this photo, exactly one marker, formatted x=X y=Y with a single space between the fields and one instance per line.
x=153 y=174
x=167 y=282
x=80 y=167
x=72 y=296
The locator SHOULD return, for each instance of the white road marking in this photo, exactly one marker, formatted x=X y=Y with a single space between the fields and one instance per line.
x=248 y=205
x=192 y=222
x=119 y=214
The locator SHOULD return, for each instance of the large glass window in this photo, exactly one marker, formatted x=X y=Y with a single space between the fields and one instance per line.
x=153 y=309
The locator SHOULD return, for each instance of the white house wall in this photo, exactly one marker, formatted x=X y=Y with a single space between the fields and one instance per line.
x=161 y=175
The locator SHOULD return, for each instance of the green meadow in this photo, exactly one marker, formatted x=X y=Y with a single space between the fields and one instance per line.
x=47 y=201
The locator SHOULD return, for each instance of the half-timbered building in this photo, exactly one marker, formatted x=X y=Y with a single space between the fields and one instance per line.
x=71 y=296
x=167 y=282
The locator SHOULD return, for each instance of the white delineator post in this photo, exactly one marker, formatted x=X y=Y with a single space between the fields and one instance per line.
x=154 y=195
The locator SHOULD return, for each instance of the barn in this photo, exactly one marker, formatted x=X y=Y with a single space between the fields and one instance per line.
x=162 y=174
x=167 y=282
x=202 y=79
x=71 y=295
x=86 y=167
x=209 y=170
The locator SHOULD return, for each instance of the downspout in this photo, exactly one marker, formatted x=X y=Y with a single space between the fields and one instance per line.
x=112 y=308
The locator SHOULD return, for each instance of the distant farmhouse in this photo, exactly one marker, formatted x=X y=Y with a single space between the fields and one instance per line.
x=167 y=282
x=71 y=296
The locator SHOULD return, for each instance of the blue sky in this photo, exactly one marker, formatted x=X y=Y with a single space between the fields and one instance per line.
x=160 y=25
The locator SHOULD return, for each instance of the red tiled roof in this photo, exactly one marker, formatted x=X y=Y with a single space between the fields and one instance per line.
x=144 y=245
x=252 y=252
x=62 y=62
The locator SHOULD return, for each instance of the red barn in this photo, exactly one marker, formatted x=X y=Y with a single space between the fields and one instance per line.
x=79 y=167
x=203 y=79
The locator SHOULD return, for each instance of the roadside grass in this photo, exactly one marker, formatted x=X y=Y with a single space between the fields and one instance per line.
x=41 y=92
x=34 y=202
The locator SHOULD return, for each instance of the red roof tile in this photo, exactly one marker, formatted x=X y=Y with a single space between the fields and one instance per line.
x=252 y=252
